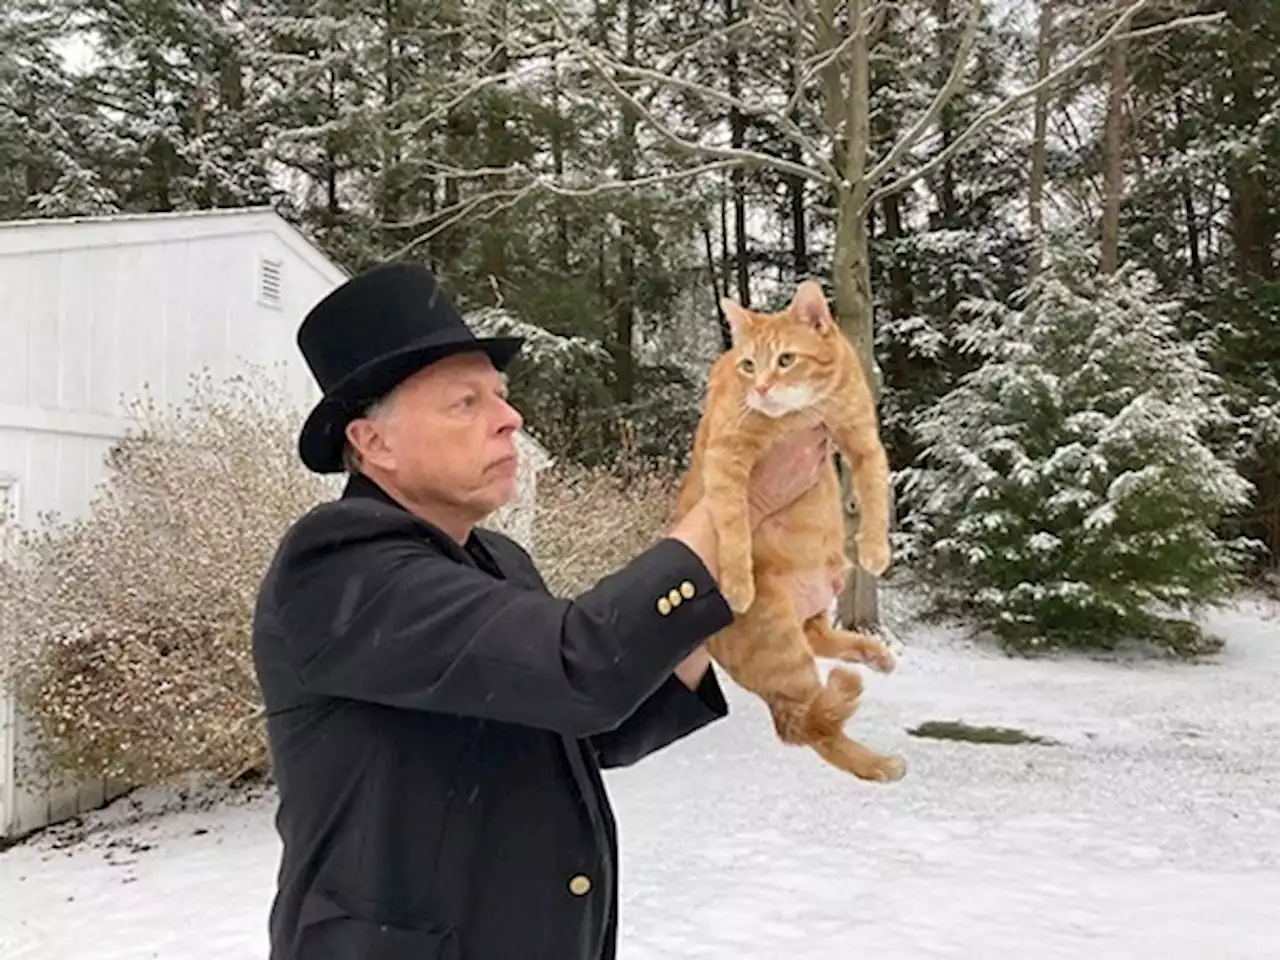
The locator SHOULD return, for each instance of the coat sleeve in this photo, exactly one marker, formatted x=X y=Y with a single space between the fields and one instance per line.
x=370 y=610
x=671 y=712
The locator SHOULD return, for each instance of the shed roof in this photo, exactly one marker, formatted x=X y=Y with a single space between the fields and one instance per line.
x=44 y=234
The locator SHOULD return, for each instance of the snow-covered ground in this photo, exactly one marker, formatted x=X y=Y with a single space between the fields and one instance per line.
x=1150 y=831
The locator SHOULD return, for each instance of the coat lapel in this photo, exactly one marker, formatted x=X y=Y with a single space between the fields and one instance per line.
x=506 y=564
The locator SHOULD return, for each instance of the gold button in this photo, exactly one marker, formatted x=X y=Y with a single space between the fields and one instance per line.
x=675 y=598
x=579 y=885
x=664 y=606
x=686 y=590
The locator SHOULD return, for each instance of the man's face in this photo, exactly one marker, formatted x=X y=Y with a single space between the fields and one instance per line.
x=446 y=436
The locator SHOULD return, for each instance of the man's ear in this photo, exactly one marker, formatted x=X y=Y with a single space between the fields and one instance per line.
x=365 y=437
x=810 y=305
x=739 y=318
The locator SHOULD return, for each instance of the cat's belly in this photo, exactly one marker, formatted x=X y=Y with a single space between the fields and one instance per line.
x=807 y=537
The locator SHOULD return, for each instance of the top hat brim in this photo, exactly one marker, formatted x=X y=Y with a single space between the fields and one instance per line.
x=323 y=434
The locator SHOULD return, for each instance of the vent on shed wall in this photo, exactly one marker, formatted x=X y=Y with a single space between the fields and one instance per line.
x=270 y=282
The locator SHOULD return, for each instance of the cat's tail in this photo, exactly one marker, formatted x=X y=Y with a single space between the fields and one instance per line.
x=820 y=724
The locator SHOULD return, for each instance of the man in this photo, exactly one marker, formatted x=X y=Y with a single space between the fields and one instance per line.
x=437 y=719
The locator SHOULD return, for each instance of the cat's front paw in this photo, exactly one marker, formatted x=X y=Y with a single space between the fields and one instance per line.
x=737 y=585
x=738 y=594
x=873 y=554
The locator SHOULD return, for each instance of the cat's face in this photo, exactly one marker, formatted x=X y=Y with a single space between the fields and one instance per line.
x=787 y=360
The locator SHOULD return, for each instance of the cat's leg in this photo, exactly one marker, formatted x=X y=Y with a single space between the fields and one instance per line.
x=726 y=475
x=767 y=652
x=856 y=758
x=834 y=644
x=869 y=467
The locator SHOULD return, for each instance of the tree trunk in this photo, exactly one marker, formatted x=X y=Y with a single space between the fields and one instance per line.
x=1189 y=210
x=858 y=607
x=1039 y=139
x=494 y=245
x=947 y=201
x=1253 y=226
x=738 y=137
x=726 y=262
x=557 y=160
x=625 y=300
x=799 y=240
x=901 y=299
x=1113 y=177
x=388 y=199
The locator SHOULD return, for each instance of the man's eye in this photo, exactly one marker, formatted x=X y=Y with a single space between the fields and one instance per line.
x=786 y=359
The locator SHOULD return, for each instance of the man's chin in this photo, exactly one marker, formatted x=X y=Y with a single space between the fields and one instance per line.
x=501 y=492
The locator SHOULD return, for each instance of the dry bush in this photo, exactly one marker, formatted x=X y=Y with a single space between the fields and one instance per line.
x=127 y=630
x=593 y=520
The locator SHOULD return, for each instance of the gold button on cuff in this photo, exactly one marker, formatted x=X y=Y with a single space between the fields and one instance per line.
x=664 y=606
x=675 y=598
x=580 y=885
x=687 y=590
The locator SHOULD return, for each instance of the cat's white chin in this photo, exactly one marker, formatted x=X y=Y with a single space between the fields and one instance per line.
x=782 y=401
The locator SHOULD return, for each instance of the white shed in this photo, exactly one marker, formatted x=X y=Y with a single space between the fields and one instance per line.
x=90 y=310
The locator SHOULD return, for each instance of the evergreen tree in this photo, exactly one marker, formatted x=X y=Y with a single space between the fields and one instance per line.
x=1067 y=494
x=47 y=127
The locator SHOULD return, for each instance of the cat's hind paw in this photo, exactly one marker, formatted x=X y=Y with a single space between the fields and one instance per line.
x=878 y=656
x=889 y=769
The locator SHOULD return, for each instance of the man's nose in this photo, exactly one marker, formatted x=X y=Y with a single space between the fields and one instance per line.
x=509 y=419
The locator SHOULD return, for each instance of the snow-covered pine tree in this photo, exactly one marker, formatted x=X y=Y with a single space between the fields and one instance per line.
x=46 y=125
x=174 y=129
x=1067 y=496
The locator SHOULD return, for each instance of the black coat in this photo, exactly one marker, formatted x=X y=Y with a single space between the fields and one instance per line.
x=438 y=722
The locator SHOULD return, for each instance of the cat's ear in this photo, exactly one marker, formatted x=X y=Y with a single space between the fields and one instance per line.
x=810 y=305
x=738 y=317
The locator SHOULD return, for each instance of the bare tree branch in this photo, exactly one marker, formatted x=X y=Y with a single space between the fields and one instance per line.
x=745 y=157
x=452 y=215
x=489 y=80
x=989 y=116
x=785 y=123
x=1187 y=21
x=940 y=100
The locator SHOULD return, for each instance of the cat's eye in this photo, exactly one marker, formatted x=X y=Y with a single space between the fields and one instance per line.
x=786 y=359
x=747 y=365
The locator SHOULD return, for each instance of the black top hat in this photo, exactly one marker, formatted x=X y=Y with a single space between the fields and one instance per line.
x=367 y=336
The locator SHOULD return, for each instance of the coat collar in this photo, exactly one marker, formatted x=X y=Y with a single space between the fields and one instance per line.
x=475 y=552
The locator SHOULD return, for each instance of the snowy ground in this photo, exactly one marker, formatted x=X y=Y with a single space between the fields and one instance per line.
x=1151 y=831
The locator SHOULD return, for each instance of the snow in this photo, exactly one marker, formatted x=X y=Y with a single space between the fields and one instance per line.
x=1149 y=828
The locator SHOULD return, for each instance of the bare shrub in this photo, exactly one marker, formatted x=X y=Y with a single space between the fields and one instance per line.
x=593 y=520
x=127 y=630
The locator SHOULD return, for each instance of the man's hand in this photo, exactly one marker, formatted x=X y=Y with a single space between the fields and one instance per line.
x=787 y=471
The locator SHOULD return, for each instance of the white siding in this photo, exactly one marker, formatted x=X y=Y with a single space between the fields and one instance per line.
x=97 y=310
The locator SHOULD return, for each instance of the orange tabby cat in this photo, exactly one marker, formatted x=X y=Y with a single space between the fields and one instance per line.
x=788 y=370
